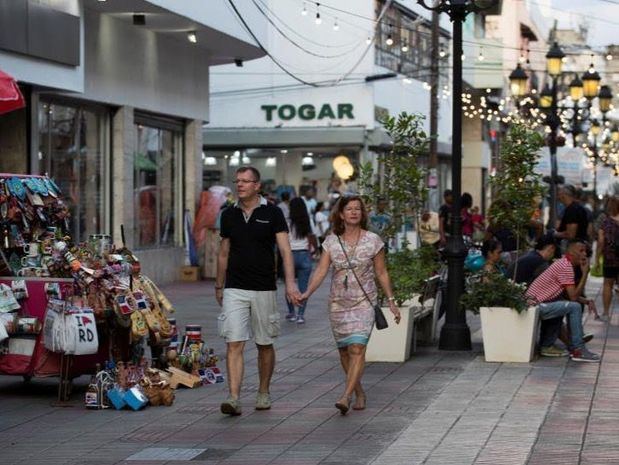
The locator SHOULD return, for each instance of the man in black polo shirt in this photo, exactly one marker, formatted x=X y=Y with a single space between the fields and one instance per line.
x=245 y=286
x=575 y=220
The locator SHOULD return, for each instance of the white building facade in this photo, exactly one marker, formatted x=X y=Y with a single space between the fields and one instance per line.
x=291 y=130
x=117 y=93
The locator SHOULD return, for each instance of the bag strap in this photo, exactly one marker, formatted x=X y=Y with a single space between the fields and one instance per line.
x=353 y=271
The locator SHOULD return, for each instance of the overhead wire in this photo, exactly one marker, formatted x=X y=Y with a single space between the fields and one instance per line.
x=296 y=75
x=297 y=45
x=297 y=33
x=279 y=65
x=465 y=41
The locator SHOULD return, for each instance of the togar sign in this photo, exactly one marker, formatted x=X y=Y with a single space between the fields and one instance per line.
x=308 y=111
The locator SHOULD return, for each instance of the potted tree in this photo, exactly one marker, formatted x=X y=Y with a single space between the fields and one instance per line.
x=516 y=186
x=401 y=185
x=508 y=324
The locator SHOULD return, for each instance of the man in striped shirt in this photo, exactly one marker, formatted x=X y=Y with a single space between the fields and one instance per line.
x=550 y=291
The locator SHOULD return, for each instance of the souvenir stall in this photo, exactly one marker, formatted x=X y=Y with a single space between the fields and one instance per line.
x=71 y=309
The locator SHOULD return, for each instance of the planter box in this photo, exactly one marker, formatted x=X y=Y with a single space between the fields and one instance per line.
x=508 y=336
x=392 y=344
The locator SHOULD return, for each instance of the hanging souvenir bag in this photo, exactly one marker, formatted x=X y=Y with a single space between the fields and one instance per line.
x=8 y=302
x=53 y=326
x=81 y=331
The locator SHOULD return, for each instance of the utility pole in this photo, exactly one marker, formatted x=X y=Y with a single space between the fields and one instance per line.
x=434 y=192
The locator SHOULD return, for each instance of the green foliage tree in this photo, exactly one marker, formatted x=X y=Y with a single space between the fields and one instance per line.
x=403 y=185
x=517 y=186
x=404 y=188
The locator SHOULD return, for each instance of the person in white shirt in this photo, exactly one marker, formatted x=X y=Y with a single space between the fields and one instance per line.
x=310 y=202
x=321 y=219
x=302 y=243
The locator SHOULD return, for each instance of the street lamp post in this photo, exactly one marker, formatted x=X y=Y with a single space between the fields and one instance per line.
x=588 y=88
x=554 y=63
x=455 y=333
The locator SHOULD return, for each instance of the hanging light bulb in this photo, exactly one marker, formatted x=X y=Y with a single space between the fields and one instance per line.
x=442 y=53
x=609 y=57
x=336 y=26
x=389 y=40
x=304 y=11
x=404 y=46
x=318 y=18
x=481 y=55
x=463 y=57
x=368 y=41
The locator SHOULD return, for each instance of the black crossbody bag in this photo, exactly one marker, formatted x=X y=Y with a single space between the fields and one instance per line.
x=379 y=316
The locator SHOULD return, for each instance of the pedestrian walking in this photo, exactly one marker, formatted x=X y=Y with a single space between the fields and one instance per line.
x=608 y=249
x=245 y=286
x=358 y=259
x=321 y=218
x=302 y=244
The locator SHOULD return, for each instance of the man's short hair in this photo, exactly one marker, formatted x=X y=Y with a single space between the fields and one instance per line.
x=574 y=242
x=447 y=192
x=544 y=241
x=285 y=196
x=254 y=172
x=569 y=190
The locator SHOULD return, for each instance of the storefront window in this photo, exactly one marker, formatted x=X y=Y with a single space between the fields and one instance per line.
x=156 y=186
x=281 y=169
x=72 y=144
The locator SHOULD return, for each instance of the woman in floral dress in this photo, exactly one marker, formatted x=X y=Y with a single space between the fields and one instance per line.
x=350 y=312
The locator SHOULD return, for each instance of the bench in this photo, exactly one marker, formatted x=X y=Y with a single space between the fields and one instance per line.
x=424 y=313
x=398 y=342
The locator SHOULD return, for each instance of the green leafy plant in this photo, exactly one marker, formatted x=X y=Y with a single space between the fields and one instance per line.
x=494 y=290
x=516 y=185
x=408 y=270
x=404 y=185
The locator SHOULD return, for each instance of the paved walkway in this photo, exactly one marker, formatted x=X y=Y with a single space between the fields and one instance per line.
x=437 y=408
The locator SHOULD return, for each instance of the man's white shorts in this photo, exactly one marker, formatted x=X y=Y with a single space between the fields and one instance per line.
x=249 y=312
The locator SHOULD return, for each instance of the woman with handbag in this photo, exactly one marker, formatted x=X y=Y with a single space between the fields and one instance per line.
x=358 y=259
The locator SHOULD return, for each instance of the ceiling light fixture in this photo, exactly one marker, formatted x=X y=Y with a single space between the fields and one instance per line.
x=192 y=37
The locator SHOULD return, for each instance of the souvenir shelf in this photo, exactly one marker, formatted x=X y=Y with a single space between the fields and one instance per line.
x=65 y=307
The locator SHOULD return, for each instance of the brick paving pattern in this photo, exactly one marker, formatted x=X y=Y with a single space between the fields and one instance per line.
x=439 y=408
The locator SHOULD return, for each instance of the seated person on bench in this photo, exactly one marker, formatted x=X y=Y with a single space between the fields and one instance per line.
x=547 y=291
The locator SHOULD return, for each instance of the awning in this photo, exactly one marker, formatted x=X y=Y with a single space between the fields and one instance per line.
x=10 y=95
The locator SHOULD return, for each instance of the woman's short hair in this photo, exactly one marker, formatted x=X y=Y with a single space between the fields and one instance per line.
x=336 y=220
x=489 y=246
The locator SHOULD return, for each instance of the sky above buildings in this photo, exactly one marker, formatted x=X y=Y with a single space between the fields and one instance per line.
x=601 y=17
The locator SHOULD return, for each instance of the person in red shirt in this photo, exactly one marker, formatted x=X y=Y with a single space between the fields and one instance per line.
x=547 y=291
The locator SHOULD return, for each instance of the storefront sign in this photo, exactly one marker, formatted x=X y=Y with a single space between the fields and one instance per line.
x=308 y=111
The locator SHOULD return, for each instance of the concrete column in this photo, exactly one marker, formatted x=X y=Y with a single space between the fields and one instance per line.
x=13 y=142
x=124 y=146
x=193 y=165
